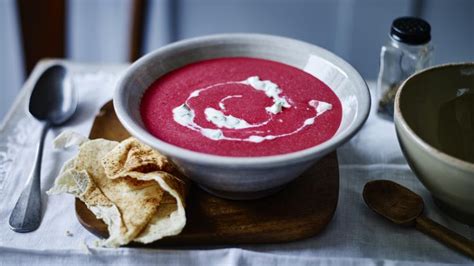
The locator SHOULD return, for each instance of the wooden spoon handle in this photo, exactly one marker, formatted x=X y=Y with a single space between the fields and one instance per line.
x=444 y=235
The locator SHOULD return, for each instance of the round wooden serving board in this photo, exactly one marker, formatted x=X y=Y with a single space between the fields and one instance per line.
x=300 y=210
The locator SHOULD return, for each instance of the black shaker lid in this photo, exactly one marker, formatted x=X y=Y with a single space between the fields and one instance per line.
x=411 y=30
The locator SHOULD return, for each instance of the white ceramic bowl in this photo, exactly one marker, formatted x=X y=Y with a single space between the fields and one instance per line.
x=422 y=107
x=244 y=177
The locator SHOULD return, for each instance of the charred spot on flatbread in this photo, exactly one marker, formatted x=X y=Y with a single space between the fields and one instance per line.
x=134 y=156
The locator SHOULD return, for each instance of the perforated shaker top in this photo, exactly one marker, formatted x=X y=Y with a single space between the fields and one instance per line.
x=411 y=30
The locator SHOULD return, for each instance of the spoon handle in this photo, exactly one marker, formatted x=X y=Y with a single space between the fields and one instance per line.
x=444 y=235
x=26 y=215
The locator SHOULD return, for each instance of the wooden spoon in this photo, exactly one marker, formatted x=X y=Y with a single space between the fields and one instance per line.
x=403 y=206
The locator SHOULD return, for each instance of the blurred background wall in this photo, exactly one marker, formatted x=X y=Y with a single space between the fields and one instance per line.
x=99 y=30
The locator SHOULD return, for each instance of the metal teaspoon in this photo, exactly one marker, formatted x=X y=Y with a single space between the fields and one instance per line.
x=52 y=102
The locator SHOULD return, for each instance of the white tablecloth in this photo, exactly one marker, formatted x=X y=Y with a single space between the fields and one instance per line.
x=355 y=236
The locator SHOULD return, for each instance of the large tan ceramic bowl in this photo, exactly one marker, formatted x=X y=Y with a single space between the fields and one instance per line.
x=434 y=119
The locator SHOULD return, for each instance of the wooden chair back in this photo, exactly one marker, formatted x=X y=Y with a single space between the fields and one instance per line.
x=43 y=29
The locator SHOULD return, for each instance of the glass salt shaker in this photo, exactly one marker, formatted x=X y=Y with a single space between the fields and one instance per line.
x=408 y=51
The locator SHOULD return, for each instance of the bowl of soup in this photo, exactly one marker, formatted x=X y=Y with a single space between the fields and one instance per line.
x=434 y=120
x=242 y=114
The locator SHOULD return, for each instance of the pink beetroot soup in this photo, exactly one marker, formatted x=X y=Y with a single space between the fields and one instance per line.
x=229 y=107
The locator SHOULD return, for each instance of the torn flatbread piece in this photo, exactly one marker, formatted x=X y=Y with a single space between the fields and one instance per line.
x=136 y=206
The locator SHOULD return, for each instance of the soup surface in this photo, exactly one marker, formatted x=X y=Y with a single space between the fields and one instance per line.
x=241 y=107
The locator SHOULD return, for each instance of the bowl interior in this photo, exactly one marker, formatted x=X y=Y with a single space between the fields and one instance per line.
x=336 y=73
x=438 y=105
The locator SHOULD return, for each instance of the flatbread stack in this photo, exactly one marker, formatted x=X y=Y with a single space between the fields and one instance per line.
x=130 y=186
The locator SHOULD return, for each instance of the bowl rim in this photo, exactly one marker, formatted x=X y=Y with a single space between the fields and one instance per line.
x=136 y=130
x=431 y=150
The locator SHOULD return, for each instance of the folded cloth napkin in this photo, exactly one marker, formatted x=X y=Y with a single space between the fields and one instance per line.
x=355 y=236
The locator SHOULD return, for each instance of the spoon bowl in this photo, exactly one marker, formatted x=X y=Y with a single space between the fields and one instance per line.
x=394 y=202
x=52 y=99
